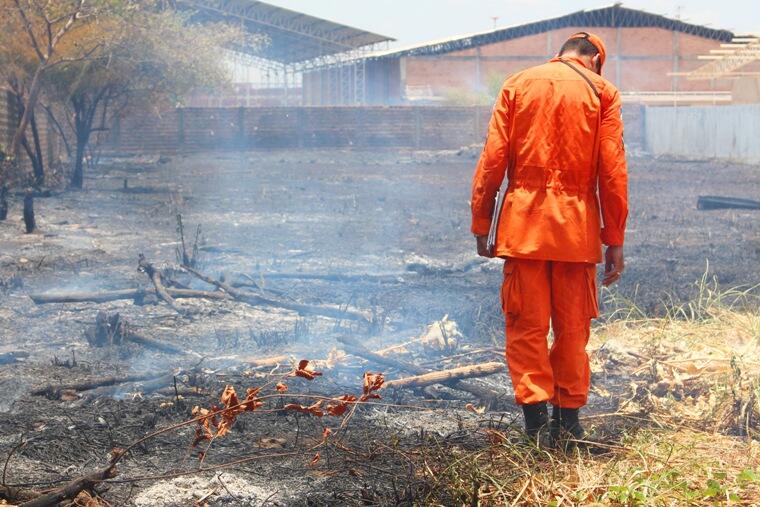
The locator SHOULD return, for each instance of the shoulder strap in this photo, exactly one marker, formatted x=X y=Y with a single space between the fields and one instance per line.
x=584 y=76
x=599 y=117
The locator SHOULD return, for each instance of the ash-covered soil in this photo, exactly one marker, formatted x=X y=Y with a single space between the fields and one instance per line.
x=386 y=232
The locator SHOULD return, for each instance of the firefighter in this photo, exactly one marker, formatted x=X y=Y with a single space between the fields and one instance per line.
x=556 y=133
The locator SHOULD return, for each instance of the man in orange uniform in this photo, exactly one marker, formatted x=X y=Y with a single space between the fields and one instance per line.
x=557 y=133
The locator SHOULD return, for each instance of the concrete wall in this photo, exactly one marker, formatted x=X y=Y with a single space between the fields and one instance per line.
x=195 y=129
x=723 y=132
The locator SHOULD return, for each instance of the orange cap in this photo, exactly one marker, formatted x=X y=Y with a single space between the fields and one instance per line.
x=598 y=44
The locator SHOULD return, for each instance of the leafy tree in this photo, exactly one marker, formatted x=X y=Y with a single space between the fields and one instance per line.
x=88 y=61
x=30 y=33
x=143 y=55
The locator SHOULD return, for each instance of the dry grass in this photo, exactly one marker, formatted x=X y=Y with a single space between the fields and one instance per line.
x=647 y=467
x=685 y=431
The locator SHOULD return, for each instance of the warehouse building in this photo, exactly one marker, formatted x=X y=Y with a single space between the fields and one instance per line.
x=649 y=56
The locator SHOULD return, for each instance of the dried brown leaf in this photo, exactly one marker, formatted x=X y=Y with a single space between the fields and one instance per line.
x=304 y=370
x=338 y=406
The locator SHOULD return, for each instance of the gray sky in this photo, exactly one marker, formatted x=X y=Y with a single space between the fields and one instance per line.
x=412 y=21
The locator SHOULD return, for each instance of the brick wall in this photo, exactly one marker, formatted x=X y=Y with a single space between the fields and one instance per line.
x=638 y=59
x=6 y=130
x=49 y=141
x=245 y=95
x=194 y=129
x=197 y=129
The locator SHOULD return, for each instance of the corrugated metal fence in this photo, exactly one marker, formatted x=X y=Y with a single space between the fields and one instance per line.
x=705 y=132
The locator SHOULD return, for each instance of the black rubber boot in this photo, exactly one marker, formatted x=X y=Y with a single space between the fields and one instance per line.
x=565 y=424
x=536 y=417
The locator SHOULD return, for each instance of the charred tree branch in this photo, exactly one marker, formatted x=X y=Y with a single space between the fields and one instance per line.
x=116 y=295
x=355 y=348
x=155 y=277
x=72 y=489
x=440 y=377
x=303 y=309
x=53 y=390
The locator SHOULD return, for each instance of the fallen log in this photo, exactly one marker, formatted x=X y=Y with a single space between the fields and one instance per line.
x=155 y=276
x=439 y=377
x=13 y=356
x=427 y=269
x=300 y=308
x=55 y=389
x=333 y=277
x=17 y=495
x=72 y=489
x=154 y=344
x=197 y=294
x=229 y=293
x=115 y=295
x=355 y=348
x=713 y=202
x=144 y=386
x=86 y=297
x=251 y=283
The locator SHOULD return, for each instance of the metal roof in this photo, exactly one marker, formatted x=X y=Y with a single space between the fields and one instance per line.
x=613 y=16
x=293 y=37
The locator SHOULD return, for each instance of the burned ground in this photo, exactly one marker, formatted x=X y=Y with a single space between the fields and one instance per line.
x=384 y=232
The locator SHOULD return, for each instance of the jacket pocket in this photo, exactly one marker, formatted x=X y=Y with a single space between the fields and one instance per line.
x=593 y=297
x=511 y=302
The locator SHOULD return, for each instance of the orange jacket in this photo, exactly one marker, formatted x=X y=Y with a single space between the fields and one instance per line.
x=561 y=147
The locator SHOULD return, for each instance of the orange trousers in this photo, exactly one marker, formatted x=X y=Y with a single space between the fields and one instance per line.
x=535 y=293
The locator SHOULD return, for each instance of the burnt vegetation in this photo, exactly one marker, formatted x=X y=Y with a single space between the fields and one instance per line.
x=312 y=326
x=116 y=366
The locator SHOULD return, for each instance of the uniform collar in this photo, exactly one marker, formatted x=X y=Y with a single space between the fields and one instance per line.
x=570 y=59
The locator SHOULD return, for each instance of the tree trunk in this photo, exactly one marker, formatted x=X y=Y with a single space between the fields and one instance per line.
x=34 y=93
x=77 y=179
x=29 y=220
x=39 y=163
x=32 y=157
x=84 y=116
x=35 y=156
x=3 y=202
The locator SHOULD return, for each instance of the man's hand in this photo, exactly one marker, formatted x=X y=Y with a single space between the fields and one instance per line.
x=614 y=264
x=483 y=246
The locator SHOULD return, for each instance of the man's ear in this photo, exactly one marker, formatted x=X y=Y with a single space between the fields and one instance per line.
x=596 y=61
